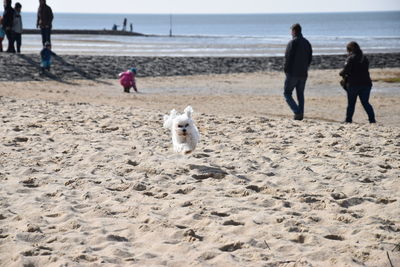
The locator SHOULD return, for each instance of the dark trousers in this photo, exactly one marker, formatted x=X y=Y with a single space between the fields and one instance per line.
x=18 y=41
x=290 y=84
x=363 y=92
x=46 y=35
x=10 y=38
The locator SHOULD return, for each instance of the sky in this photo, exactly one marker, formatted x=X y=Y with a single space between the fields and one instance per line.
x=212 y=6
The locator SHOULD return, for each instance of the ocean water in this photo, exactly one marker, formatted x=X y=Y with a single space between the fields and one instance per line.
x=222 y=35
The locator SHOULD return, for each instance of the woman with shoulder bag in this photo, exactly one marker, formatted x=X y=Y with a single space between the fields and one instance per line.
x=357 y=82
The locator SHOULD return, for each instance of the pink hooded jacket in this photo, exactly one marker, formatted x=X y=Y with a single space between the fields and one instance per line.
x=127 y=79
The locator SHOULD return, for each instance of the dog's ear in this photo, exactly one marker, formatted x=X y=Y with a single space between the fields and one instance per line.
x=188 y=111
x=168 y=119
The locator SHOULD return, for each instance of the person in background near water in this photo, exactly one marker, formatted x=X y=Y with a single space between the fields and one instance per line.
x=298 y=58
x=45 y=21
x=2 y=34
x=127 y=80
x=131 y=27
x=8 y=20
x=124 y=24
x=357 y=82
x=45 y=56
x=17 y=26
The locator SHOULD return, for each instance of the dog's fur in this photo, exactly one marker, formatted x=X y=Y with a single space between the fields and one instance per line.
x=185 y=135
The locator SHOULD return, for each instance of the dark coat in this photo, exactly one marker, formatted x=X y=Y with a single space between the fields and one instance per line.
x=8 y=17
x=44 y=17
x=46 y=54
x=356 y=71
x=298 y=57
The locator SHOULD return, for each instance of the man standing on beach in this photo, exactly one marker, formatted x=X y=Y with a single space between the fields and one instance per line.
x=17 y=27
x=44 y=21
x=298 y=58
x=8 y=21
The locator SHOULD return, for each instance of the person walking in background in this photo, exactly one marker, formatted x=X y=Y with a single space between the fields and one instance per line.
x=2 y=34
x=298 y=58
x=45 y=21
x=17 y=26
x=357 y=82
x=8 y=20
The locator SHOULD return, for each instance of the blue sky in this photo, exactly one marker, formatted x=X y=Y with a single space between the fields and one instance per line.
x=213 y=6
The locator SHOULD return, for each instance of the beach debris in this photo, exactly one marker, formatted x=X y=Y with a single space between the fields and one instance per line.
x=117 y=238
x=30 y=182
x=33 y=228
x=299 y=239
x=186 y=204
x=334 y=237
x=338 y=196
x=232 y=222
x=139 y=187
x=21 y=139
x=192 y=235
x=132 y=163
x=232 y=247
x=390 y=261
x=219 y=214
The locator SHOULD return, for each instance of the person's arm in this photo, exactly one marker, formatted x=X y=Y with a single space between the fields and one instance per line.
x=289 y=55
x=51 y=17
x=310 y=54
x=134 y=84
x=38 y=18
x=347 y=67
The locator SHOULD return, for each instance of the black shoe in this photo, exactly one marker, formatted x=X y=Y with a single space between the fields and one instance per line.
x=298 y=117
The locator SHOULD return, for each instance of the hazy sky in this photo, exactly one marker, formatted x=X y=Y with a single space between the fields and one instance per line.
x=213 y=6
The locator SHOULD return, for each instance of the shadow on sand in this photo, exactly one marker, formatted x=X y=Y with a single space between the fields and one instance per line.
x=53 y=77
x=78 y=70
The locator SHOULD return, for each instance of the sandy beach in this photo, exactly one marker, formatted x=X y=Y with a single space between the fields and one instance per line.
x=88 y=175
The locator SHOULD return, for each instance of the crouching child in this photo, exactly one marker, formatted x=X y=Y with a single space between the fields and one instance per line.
x=127 y=80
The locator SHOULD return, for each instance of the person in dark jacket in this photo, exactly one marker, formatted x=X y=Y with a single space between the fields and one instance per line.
x=357 y=82
x=45 y=21
x=298 y=58
x=17 y=26
x=45 y=56
x=8 y=22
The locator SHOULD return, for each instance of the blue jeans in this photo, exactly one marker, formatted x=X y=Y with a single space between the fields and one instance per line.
x=290 y=84
x=363 y=92
x=46 y=33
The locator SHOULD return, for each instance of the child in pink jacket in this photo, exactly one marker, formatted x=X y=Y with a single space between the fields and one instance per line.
x=127 y=80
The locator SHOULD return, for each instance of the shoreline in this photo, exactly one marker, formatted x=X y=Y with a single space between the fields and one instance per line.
x=86 y=32
x=73 y=67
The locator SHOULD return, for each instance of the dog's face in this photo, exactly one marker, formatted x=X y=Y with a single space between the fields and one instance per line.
x=183 y=125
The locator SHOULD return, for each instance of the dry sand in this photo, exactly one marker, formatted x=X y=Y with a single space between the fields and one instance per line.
x=88 y=175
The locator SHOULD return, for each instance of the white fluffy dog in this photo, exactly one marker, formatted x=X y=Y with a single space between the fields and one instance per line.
x=185 y=135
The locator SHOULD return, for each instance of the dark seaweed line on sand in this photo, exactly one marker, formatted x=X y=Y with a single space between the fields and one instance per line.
x=14 y=67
